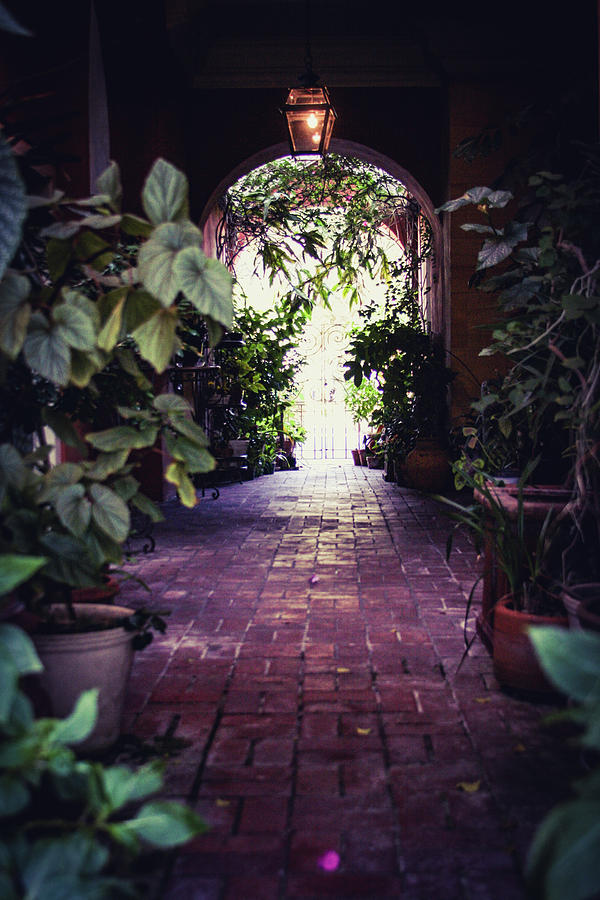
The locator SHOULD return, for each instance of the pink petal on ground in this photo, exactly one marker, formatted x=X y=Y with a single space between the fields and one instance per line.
x=329 y=861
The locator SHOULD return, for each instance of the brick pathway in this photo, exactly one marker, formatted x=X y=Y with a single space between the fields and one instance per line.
x=309 y=682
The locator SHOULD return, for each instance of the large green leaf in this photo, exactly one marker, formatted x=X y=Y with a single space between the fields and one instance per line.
x=80 y=724
x=74 y=509
x=571 y=660
x=165 y=193
x=165 y=823
x=156 y=338
x=122 y=437
x=15 y=569
x=563 y=859
x=76 y=327
x=140 y=307
x=13 y=206
x=172 y=404
x=206 y=283
x=122 y=785
x=47 y=351
x=195 y=458
x=57 y=479
x=109 y=512
x=15 y=311
x=157 y=258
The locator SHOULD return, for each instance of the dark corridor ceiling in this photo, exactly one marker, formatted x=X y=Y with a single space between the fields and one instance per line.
x=260 y=43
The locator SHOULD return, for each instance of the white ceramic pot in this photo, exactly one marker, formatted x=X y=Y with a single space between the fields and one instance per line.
x=89 y=659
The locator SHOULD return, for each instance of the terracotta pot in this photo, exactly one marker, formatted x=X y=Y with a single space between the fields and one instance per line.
x=515 y=662
x=426 y=468
x=363 y=457
x=356 y=457
x=88 y=659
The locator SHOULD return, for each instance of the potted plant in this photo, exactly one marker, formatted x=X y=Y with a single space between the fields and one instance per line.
x=71 y=827
x=529 y=577
x=410 y=368
x=70 y=312
x=548 y=331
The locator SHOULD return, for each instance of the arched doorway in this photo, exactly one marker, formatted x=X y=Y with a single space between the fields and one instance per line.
x=402 y=220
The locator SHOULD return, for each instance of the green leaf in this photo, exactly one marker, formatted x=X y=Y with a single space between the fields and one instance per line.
x=157 y=258
x=165 y=824
x=109 y=512
x=196 y=459
x=172 y=404
x=189 y=428
x=58 y=479
x=111 y=329
x=165 y=193
x=13 y=206
x=93 y=250
x=58 y=256
x=156 y=338
x=47 y=351
x=15 y=569
x=563 y=859
x=76 y=328
x=135 y=226
x=122 y=437
x=206 y=283
x=74 y=509
x=18 y=647
x=107 y=464
x=148 y=507
x=80 y=724
x=84 y=365
x=109 y=182
x=176 y=474
x=571 y=660
x=140 y=307
x=122 y=785
x=15 y=311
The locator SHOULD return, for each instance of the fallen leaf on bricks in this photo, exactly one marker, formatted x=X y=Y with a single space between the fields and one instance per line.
x=482 y=699
x=519 y=748
x=364 y=731
x=469 y=787
x=220 y=802
x=341 y=670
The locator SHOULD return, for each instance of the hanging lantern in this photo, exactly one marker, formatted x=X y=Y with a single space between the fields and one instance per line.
x=309 y=116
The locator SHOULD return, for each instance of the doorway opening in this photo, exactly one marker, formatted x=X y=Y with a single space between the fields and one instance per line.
x=324 y=247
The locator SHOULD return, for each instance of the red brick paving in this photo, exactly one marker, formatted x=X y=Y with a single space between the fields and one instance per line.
x=309 y=681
